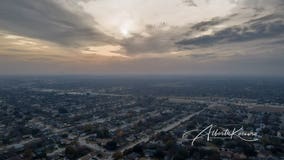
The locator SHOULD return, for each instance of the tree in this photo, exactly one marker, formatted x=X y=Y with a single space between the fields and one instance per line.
x=111 y=145
x=28 y=154
x=62 y=110
x=117 y=155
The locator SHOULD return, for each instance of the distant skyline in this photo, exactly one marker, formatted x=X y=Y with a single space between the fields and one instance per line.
x=191 y=37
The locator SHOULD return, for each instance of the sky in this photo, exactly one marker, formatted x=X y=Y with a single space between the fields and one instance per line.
x=192 y=37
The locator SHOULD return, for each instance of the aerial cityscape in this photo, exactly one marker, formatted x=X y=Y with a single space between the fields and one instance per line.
x=141 y=80
x=138 y=117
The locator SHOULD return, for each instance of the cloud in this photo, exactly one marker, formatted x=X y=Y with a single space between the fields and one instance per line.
x=190 y=3
x=194 y=36
x=252 y=30
x=203 y=55
x=158 y=39
x=249 y=20
x=144 y=45
x=62 y=23
x=185 y=36
x=205 y=25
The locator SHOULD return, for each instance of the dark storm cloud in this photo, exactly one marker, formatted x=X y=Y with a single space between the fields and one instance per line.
x=47 y=20
x=257 y=29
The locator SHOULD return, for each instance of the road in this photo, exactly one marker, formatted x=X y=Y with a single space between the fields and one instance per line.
x=164 y=129
x=24 y=142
